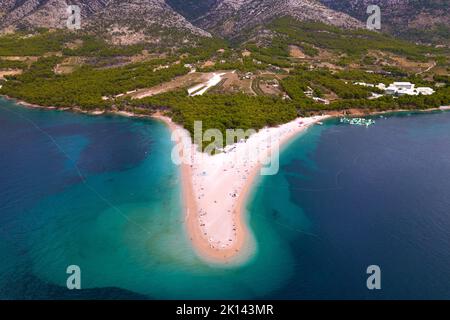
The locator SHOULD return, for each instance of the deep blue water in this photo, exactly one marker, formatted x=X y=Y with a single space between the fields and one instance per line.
x=349 y=197
x=102 y=193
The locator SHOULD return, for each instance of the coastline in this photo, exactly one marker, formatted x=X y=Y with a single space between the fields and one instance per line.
x=190 y=208
x=216 y=190
x=332 y=114
x=75 y=109
x=216 y=221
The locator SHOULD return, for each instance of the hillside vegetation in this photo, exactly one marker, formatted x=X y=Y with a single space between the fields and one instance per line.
x=329 y=61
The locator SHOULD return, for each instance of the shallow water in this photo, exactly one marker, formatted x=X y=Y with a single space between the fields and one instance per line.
x=101 y=193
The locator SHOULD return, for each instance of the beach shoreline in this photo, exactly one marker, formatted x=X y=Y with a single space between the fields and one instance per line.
x=355 y=112
x=215 y=193
x=216 y=190
x=189 y=203
x=190 y=209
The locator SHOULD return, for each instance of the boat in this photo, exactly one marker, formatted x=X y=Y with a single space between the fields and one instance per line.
x=358 y=121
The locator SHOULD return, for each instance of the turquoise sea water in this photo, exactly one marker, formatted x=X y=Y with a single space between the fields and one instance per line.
x=102 y=193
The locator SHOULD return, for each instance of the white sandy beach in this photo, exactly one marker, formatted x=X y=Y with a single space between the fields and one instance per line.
x=216 y=187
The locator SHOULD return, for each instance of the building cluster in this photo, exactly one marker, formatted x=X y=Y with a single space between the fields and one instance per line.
x=310 y=94
x=400 y=88
x=248 y=76
x=408 y=88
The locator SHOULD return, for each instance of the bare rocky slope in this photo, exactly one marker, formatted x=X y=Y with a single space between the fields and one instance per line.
x=43 y=13
x=126 y=22
x=230 y=17
x=131 y=21
x=417 y=19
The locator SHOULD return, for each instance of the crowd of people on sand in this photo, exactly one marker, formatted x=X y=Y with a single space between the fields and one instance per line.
x=199 y=190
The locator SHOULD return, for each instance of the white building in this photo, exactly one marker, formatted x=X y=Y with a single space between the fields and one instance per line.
x=381 y=86
x=407 y=92
x=391 y=90
x=404 y=85
x=426 y=91
x=401 y=88
x=408 y=88
x=364 y=84
x=375 y=96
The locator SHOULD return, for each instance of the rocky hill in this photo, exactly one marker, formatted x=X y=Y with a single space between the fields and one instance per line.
x=230 y=17
x=43 y=13
x=135 y=21
x=125 y=22
x=192 y=9
x=415 y=19
x=131 y=21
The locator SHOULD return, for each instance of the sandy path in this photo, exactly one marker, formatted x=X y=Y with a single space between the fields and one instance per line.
x=201 y=89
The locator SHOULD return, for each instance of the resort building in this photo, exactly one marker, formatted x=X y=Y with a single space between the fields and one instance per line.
x=399 y=89
x=375 y=96
x=426 y=91
x=404 y=85
x=380 y=86
x=407 y=88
